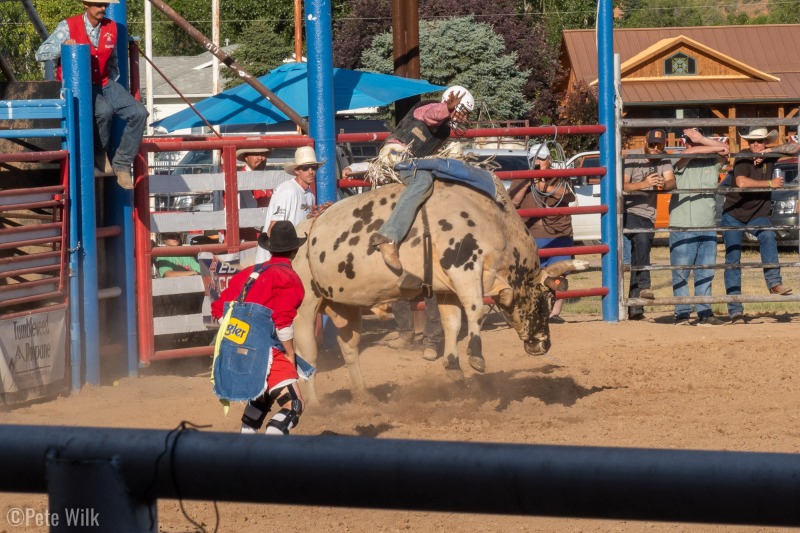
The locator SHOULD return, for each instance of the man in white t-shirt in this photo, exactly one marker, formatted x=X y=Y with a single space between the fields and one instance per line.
x=292 y=200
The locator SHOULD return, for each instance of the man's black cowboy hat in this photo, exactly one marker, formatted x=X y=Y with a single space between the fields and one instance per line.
x=284 y=238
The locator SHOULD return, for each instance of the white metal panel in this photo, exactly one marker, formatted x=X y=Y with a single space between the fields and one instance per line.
x=181 y=222
x=186 y=183
x=261 y=179
x=166 y=325
x=178 y=285
x=252 y=218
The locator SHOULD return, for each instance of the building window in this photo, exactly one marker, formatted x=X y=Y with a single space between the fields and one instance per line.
x=680 y=65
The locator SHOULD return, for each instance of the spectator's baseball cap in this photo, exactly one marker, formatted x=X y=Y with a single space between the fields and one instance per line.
x=657 y=136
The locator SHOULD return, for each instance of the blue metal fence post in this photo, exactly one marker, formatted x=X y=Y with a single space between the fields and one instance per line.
x=320 y=95
x=70 y=144
x=122 y=264
x=608 y=193
x=76 y=69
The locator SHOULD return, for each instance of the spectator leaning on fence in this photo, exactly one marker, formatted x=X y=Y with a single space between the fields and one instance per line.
x=554 y=231
x=747 y=209
x=695 y=210
x=109 y=97
x=644 y=174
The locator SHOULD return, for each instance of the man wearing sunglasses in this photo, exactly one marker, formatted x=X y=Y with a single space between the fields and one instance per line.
x=109 y=97
x=643 y=177
x=292 y=200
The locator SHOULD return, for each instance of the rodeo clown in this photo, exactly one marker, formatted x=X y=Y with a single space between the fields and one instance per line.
x=278 y=291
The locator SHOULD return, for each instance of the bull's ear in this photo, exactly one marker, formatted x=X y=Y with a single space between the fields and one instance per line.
x=558 y=283
x=504 y=297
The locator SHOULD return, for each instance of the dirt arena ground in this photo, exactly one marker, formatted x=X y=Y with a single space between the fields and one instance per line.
x=639 y=384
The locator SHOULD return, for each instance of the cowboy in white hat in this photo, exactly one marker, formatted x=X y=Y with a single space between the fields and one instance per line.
x=93 y=28
x=741 y=210
x=293 y=200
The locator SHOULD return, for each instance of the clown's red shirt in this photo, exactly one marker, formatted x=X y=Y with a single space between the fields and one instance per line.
x=278 y=287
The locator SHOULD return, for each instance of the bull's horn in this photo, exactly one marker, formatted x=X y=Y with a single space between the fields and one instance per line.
x=562 y=267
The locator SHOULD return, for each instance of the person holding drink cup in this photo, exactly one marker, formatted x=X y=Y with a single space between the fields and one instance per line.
x=747 y=209
x=644 y=174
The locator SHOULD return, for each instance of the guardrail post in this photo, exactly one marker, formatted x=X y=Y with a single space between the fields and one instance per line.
x=76 y=67
x=92 y=493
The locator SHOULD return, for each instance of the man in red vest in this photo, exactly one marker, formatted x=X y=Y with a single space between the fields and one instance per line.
x=110 y=98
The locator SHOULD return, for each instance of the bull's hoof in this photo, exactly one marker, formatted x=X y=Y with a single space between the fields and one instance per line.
x=362 y=397
x=477 y=363
x=452 y=368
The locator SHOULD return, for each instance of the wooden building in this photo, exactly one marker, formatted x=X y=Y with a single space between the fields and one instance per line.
x=697 y=72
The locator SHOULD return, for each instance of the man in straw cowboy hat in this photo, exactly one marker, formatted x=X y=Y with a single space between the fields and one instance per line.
x=292 y=200
x=110 y=98
x=751 y=209
x=279 y=289
x=253 y=160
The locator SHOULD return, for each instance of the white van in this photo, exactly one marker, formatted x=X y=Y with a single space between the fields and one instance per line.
x=586 y=228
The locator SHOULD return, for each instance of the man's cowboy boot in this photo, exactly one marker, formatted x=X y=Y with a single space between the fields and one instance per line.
x=388 y=250
x=403 y=341
x=124 y=178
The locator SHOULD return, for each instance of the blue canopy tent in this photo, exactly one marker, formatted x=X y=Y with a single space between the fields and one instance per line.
x=243 y=105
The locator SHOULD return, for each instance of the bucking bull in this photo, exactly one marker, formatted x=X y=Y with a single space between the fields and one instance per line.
x=480 y=247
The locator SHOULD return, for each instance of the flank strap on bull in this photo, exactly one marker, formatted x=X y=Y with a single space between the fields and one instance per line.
x=427 y=256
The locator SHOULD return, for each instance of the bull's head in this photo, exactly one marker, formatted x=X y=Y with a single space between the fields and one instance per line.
x=527 y=305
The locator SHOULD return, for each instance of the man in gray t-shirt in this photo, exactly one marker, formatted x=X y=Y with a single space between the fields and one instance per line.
x=648 y=175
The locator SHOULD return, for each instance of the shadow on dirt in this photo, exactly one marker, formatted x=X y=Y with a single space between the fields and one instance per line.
x=500 y=387
x=547 y=389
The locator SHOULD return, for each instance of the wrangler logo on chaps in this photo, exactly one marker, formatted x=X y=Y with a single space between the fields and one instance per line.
x=237 y=331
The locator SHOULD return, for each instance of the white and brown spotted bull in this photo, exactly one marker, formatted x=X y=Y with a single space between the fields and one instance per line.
x=480 y=248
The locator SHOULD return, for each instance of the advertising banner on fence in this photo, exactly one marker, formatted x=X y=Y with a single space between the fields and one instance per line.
x=32 y=356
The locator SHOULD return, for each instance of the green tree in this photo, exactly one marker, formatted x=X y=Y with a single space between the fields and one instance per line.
x=261 y=49
x=580 y=108
x=667 y=13
x=478 y=63
x=783 y=12
x=560 y=15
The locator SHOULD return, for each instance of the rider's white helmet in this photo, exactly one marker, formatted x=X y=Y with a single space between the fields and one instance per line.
x=467 y=100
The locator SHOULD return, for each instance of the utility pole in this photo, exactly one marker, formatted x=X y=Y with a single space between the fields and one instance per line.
x=148 y=68
x=215 y=39
x=405 y=37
